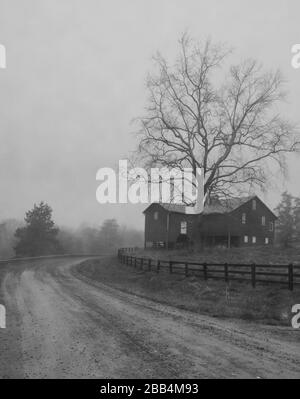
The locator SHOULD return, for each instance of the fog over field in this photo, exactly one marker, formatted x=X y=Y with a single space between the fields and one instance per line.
x=75 y=79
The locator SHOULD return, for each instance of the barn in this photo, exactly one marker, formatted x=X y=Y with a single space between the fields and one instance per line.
x=234 y=222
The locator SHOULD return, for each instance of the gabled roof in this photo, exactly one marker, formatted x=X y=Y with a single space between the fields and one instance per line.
x=231 y=204
x=220 y=206
x=226 y=205
x=176 y=208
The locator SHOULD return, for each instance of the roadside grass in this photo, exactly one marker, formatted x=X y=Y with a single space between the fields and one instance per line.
x=264 y=304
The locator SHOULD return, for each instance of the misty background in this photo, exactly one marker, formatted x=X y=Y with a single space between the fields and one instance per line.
x=75 y=80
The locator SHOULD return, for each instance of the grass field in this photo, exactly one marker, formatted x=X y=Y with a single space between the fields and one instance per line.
x=264 y=304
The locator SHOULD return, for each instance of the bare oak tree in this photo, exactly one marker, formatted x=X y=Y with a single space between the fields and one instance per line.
x=197 y=116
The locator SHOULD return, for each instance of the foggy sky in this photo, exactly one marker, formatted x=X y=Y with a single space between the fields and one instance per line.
x=75 y=79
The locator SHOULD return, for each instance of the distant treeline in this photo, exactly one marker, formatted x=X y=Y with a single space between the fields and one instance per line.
x=85 y=239
x=108 y=236
x=7 y=237
x=38 y=234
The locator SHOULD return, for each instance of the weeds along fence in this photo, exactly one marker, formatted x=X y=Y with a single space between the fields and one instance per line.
x=284 y=274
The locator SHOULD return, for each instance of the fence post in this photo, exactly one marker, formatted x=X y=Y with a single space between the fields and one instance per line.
x=253 y=275
x=226 y=272
x=171 y=266
x=158 y=266
x=186 y=269
x=291 y=276
x=205 y=270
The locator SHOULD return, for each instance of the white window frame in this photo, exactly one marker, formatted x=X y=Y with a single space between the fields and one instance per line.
x=254 y=205
x=246 y=239
x=244 y=218
x=155 y=215
x=253 y=239
x=271 y=226
x=267 y=241
x=183 y=227
x=263 y=220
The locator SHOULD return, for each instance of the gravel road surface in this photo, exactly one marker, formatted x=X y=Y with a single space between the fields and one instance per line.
x=62 y=325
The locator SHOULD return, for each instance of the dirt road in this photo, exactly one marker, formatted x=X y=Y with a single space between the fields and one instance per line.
x=61 y=325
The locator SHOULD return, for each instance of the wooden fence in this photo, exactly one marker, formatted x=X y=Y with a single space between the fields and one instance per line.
x=285 y=274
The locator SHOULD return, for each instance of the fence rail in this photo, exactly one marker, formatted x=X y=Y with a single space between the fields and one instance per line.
x=285 y=274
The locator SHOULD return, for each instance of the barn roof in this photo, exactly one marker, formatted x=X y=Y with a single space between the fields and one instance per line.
x=226 y=205
x=215 y=206
x=177 y=208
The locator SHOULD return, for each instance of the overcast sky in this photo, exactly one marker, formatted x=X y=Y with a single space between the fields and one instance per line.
x=75 y=79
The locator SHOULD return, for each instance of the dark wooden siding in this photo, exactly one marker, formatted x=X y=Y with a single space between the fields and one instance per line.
x=155 y=230
x=218 y=225
x=253 y=226
x=175 y=225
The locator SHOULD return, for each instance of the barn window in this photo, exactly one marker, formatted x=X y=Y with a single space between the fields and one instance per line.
x=183 y=227
x=253 y=240
x=271 y=226
x=254 y=205
x=267 y=240
x=244 y=218
x=263 y=220
x=155 y=215
x=246 y=239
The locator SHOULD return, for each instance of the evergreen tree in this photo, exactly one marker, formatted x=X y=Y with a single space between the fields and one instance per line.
x=39 y=236
x=297 y=218
x=286 y=224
